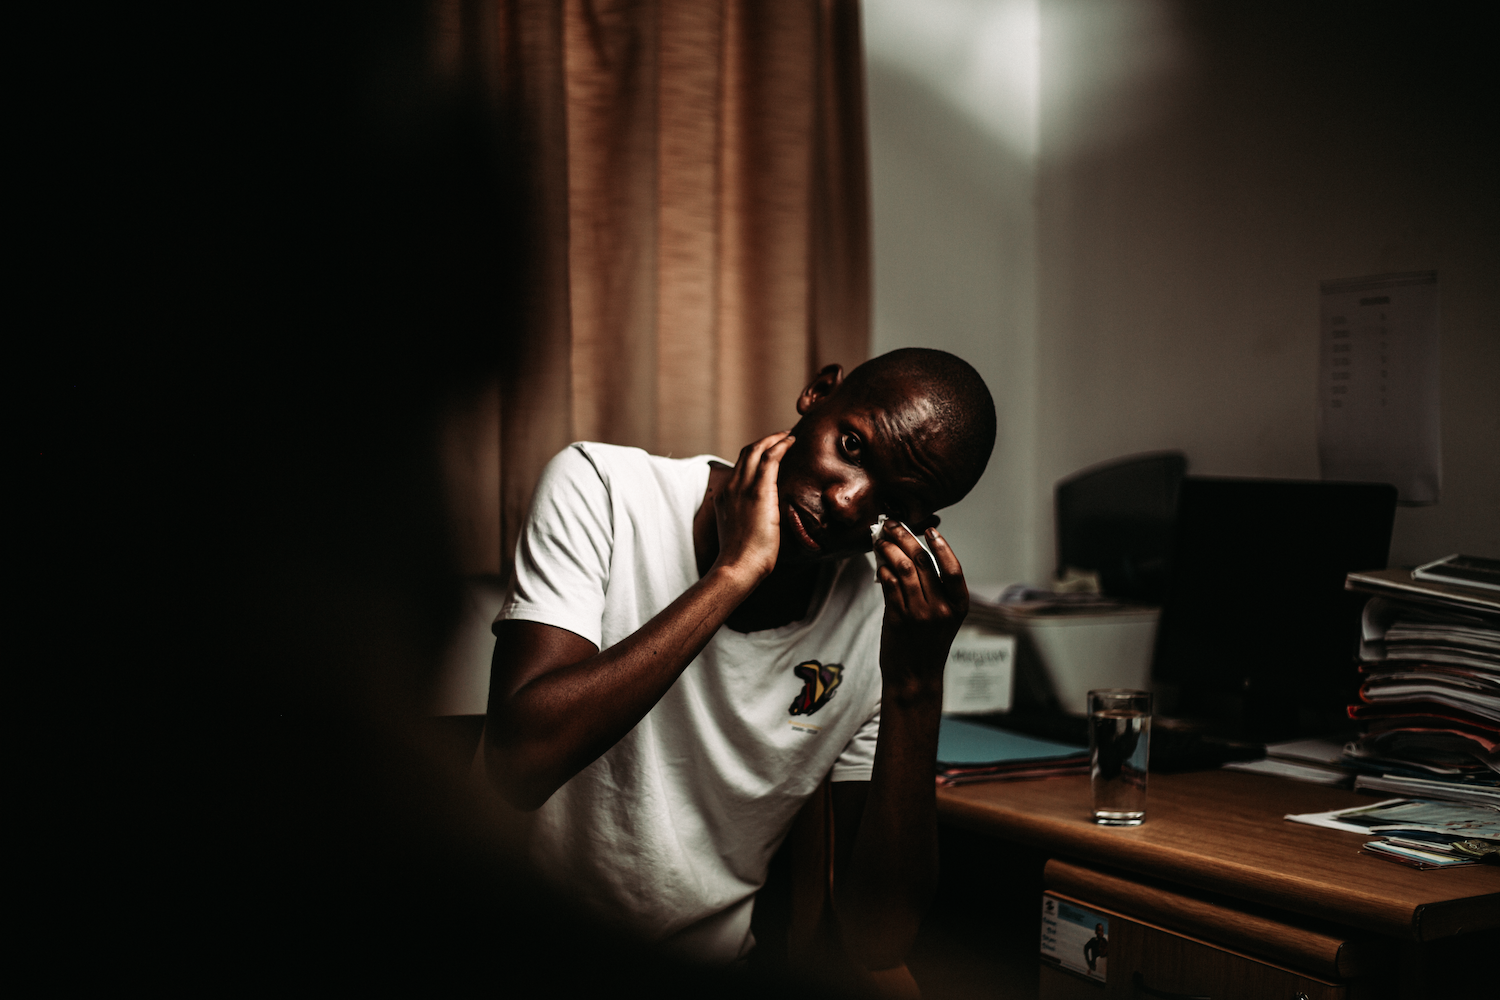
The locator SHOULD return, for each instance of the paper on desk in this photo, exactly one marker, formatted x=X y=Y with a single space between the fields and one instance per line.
x=1291 y=769
x=1447 y=791
x=1322 y=750
x=1410 y=814
x=1379 y=420
x=1320 y=761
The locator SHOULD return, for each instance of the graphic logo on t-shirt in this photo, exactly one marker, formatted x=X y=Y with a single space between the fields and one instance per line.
x=818 y=683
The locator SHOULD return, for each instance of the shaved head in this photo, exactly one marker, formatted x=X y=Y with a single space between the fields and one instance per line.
x=956 y=410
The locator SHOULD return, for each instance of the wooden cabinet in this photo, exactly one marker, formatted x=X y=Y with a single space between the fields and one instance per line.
x=1217 y=865
x=1163 y=943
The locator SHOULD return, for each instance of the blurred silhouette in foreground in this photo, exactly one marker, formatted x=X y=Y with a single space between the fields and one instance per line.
x=304 y=251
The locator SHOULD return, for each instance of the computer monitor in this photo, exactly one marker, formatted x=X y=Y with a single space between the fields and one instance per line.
x=1257 y=634
x=1116 y=519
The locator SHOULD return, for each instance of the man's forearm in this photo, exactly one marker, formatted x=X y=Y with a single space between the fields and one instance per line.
x=892 y=873
x=890 y=878
x=557 y=723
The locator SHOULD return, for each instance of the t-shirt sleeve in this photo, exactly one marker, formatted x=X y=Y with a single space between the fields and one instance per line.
x=563 y=556
x=857 y=762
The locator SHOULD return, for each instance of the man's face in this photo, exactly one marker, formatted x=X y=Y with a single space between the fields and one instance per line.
x=854 y=459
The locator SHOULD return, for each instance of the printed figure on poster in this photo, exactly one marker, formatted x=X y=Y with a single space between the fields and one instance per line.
x=1075 y=938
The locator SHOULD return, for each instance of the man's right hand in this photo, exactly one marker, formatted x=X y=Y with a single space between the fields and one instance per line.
x=747 y=511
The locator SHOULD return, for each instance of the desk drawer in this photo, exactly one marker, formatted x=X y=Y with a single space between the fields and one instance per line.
x=1146 y=961
x=1170 y=963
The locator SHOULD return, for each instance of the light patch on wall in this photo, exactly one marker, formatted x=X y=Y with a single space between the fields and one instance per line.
x=1091 y=54
x=988 y=52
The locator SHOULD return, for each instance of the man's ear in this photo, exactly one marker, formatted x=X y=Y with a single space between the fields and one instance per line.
x=820 y=388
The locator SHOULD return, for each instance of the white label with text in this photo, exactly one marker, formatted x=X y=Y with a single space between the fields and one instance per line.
x=980 y=673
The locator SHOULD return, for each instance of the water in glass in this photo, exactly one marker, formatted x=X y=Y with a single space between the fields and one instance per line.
x=1121 y=740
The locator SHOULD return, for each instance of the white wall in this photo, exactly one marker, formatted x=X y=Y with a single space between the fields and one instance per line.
x=1147 y=276
x=464 y=683
x=952 y=95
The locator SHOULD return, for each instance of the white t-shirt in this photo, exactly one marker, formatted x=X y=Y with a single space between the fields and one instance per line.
x=671 y=831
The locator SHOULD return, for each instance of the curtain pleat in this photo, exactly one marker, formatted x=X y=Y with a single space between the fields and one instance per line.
x=841 y=299
x=536 y=389
x=698 y=209
x=610 y=58
x=688 y=140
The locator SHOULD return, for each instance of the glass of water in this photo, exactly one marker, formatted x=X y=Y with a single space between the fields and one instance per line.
x=1119 y=747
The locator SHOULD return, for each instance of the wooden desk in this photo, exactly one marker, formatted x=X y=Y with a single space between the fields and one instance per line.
x=1224 y=833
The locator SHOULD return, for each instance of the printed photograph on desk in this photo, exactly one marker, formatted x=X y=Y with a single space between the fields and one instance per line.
x=1416 y=815
x=1074 y=938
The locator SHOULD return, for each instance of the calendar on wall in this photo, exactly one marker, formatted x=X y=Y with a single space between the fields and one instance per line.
x=1379 y=415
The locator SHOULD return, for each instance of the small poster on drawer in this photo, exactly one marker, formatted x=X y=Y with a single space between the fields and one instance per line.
x=1075 y=938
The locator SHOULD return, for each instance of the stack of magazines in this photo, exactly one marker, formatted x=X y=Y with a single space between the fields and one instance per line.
x=1430 y=697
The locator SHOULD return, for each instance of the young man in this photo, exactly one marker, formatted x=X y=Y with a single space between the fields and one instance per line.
x=692 y=648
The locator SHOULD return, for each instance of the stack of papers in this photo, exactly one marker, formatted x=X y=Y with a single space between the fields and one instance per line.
x=1441 y=852
x=1430 y=655
x=1452 y=791
x=1418 y=659
x=969 y=751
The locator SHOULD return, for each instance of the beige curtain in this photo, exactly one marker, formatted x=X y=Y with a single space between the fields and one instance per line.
x=698 y=212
